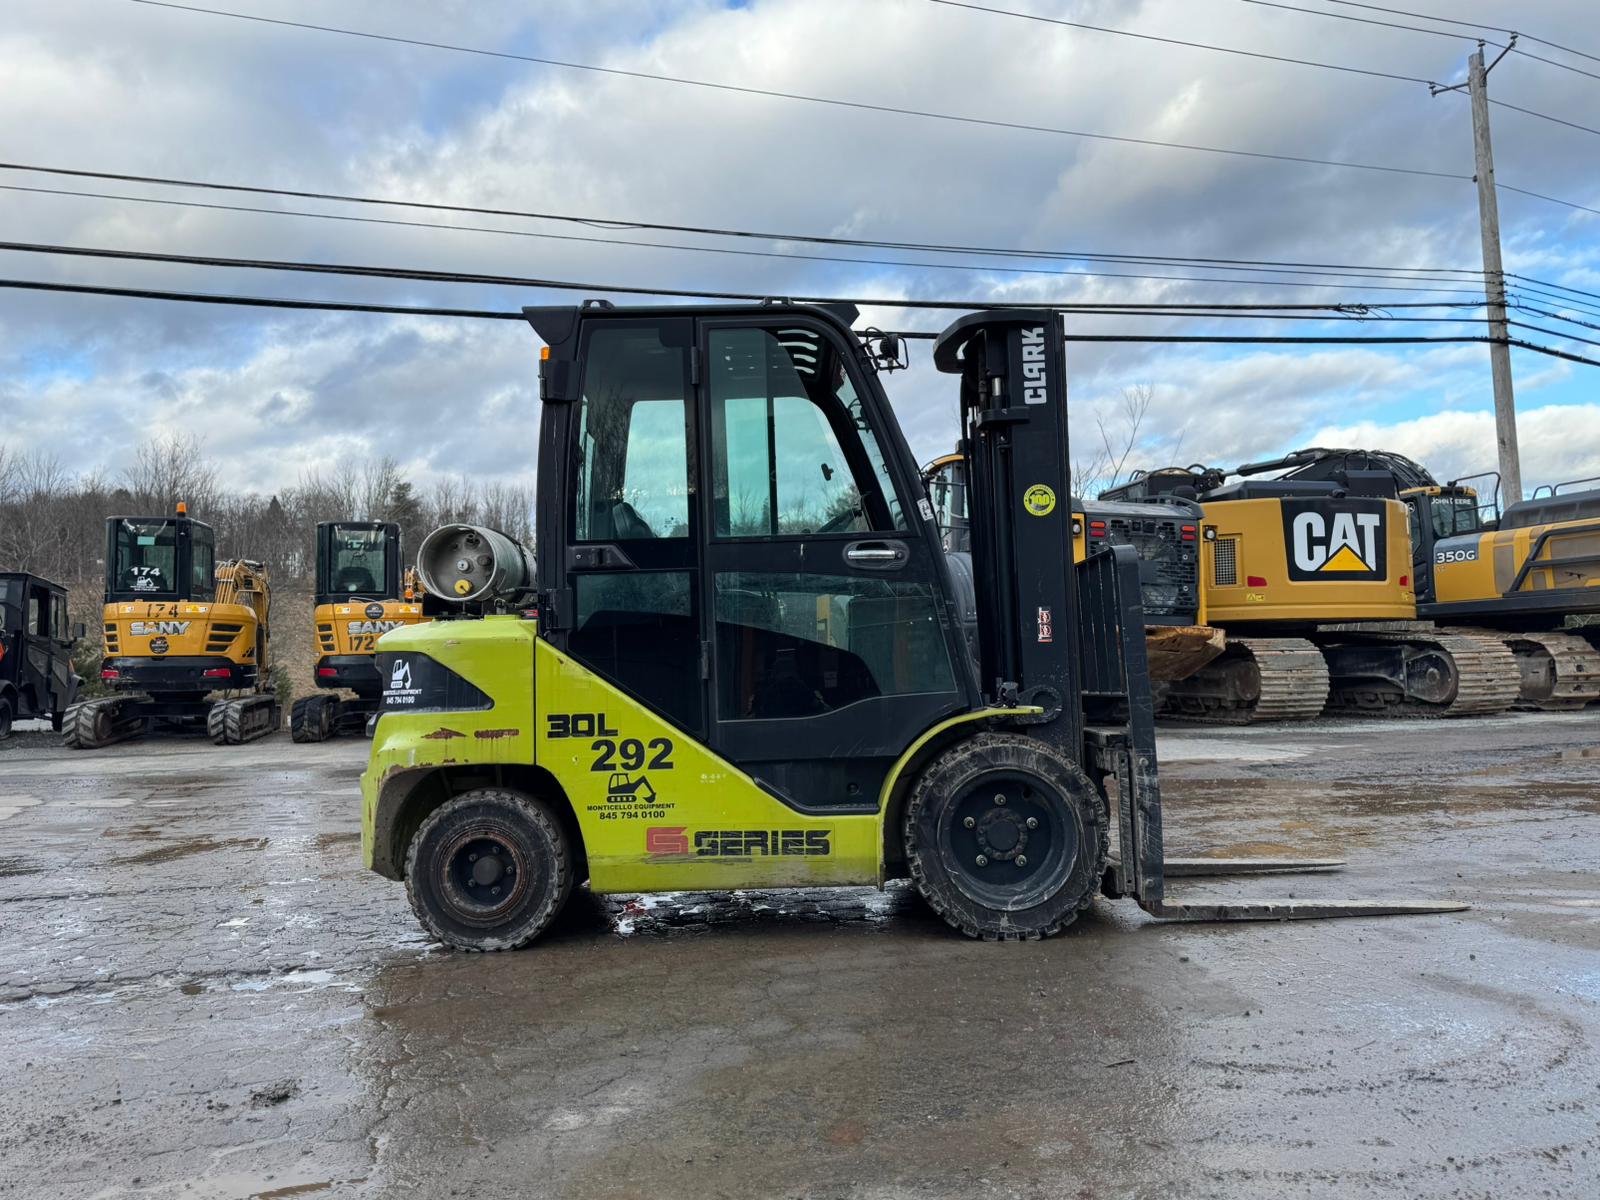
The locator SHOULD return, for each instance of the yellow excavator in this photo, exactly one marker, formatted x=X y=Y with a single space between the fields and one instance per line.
x=186 y=639
x=1164 y=536
x=363 y=591
x=1313 y=581
x=1527 y=575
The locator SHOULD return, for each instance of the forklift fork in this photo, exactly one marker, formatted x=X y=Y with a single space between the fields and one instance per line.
x=1120 y=739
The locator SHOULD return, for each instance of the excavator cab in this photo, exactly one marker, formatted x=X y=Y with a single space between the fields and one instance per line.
x=741 y=665
x=362 y=591
x=186 y=638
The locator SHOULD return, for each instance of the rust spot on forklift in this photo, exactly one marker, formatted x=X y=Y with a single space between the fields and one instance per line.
x=490 y=734
x=443 y=734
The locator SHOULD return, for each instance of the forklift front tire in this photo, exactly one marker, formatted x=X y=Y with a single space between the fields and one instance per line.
x=489 y=870
x=1006 y=838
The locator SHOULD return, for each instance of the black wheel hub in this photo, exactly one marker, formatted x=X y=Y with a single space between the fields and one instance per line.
x=484 y=875
x=1012 y=839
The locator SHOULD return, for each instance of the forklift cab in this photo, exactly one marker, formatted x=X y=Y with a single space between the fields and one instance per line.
x=36 y=676
x=357 y=560
x=159 y=559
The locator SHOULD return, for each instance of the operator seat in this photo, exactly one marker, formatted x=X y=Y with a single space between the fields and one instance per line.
x=619 y=521
x=355 y=581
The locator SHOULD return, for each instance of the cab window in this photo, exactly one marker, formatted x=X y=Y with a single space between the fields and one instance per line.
x=791 y=451
x=634 y=471
x=358 y=562
x=202 y=563
x=37 y=625
x=147 y=556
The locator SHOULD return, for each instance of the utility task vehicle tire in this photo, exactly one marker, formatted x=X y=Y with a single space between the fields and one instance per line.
x=489 y=870
x=1006 y=838
x=311 y=719
x=5 y=718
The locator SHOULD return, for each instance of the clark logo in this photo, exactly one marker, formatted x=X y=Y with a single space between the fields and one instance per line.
x=1336 y=540
x=1033 y=376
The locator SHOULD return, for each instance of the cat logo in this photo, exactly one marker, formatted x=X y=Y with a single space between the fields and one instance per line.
x=1335 y=540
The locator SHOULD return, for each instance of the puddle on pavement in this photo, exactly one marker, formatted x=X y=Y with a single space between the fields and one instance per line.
x=326 y=841
x=165 y=854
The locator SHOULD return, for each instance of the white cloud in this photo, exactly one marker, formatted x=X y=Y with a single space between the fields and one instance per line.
x=127 y=87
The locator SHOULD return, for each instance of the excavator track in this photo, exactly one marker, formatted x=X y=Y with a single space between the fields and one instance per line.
x=1253 y=681
x=1559 y=671
x=93 y=724
x=234 y=722
x=1459 y=673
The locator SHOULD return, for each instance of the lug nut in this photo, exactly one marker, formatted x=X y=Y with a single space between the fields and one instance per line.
x=1022 y=860
x=472 y=858
x=495 y=891
x=969 y=822
x=983 y=860
x=1033 y=822
x=999 y=798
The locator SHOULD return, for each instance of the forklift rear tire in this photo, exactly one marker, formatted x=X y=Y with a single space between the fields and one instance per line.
x=489 y=870
x=5 y=718
x=1006 y=838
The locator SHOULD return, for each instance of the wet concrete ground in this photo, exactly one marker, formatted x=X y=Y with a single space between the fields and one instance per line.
x=202 y=995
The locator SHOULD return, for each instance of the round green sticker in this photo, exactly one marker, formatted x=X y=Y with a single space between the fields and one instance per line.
x=1039 y=500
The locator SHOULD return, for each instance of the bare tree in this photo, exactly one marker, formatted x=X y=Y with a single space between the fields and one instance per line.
x=1118 y=438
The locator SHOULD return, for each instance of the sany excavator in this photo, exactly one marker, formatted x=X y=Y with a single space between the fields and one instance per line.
x=1521 y=575
x=363 y=591
x=739 y=599
x=1165 y=538
x=186 y=639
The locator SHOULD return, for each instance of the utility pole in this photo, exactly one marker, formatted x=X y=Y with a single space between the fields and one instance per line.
x=1494 y=278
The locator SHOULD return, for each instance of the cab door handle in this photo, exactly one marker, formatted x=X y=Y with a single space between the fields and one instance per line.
x=877 y=556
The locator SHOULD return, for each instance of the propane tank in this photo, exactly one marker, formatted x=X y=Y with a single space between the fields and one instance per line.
x=467 y=564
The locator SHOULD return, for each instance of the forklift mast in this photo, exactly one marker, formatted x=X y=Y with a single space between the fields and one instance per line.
x=1012 y=366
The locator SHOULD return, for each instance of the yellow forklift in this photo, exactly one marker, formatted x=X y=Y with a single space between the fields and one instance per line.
x=735 y=659
x=186 y=639
x=363 y=590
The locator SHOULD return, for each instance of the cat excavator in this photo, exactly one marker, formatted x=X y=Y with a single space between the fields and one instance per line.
x=1312 y=580
x=1525 y=575
x=735 y=660
x=186 y=639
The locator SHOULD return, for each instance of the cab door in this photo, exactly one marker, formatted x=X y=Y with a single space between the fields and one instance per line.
x=829 y=641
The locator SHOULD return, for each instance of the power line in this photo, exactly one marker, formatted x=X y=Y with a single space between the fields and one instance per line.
x=1150 y=37
x=978 y=267
x=1506 y=187
x=1525 y=280
x=1473 y=24
x=490 y=314
x=1208 y=263
x=1317 y=12
x=808 y=99
x=464 y=277
x=1544 y=116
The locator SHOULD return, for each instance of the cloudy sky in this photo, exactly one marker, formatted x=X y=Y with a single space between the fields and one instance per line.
x=114 y=85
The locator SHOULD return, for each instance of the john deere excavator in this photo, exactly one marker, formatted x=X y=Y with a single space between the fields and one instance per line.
x=735 y=661
x=186 y=639
x=363 y=591
x=1313 y=581
x=1164 y=537
x=1523 y=575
